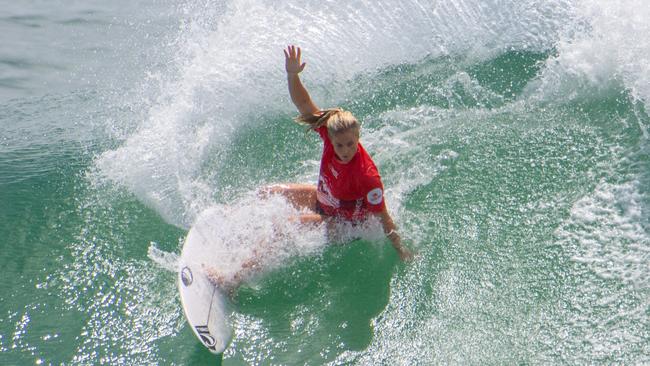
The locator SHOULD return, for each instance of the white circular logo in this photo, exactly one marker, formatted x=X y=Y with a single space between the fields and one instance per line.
x=186 y=276
x=375 y=196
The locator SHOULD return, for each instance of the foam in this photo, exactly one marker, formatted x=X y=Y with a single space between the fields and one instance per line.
x=606 y=233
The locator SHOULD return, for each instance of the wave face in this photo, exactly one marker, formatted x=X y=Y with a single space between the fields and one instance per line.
x=229 y=69
x=512 y=138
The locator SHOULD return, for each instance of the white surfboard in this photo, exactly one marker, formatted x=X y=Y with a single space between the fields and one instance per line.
x=205 y=306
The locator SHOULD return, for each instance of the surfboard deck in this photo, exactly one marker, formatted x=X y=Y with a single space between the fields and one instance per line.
x=205 y=306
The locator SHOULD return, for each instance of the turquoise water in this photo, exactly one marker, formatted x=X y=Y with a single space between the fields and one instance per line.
x=512 y=138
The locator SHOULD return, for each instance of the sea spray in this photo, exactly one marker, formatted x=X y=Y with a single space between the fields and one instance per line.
x=227 y=69
x=166 y=260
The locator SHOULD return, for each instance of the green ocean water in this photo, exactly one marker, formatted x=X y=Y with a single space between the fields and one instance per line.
x=519 y=175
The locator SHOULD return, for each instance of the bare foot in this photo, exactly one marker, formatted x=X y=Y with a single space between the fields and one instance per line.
x=215 y=277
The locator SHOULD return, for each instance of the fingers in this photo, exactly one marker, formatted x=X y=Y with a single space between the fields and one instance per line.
x=406 y=255
x=293 y=52
x=292 y=55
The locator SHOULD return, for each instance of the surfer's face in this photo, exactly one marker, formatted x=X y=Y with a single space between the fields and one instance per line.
x=345 y=144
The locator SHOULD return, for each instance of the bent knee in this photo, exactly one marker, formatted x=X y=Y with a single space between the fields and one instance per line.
x=286 y=189
x=273 y=189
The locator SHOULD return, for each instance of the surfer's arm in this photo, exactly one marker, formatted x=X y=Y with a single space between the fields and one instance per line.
x=299 y=95
x=391 y=233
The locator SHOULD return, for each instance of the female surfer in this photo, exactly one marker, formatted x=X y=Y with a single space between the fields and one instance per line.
x=349 y=185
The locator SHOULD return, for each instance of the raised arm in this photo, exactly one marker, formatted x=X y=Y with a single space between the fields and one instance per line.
x=299 y=95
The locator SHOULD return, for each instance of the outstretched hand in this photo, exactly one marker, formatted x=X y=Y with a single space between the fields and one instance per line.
x=405 y=254
x=292 y=60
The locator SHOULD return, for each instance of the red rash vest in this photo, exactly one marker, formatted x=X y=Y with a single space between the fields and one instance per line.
x=351 y=190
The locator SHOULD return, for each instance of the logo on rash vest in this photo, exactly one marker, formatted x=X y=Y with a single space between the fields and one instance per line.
x=334 y=172
x=324 y=194
x=375 y=196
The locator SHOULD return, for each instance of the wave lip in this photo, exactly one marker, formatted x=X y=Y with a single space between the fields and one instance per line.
x=607 y=47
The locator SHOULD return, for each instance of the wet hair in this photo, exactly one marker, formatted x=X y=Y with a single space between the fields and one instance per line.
x=336 y=119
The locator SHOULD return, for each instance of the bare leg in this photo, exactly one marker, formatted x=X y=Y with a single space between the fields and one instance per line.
x=311 y=218
x=254 y=264
x=301 y=196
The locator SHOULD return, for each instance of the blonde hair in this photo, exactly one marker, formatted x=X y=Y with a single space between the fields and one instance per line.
x=336 y=120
